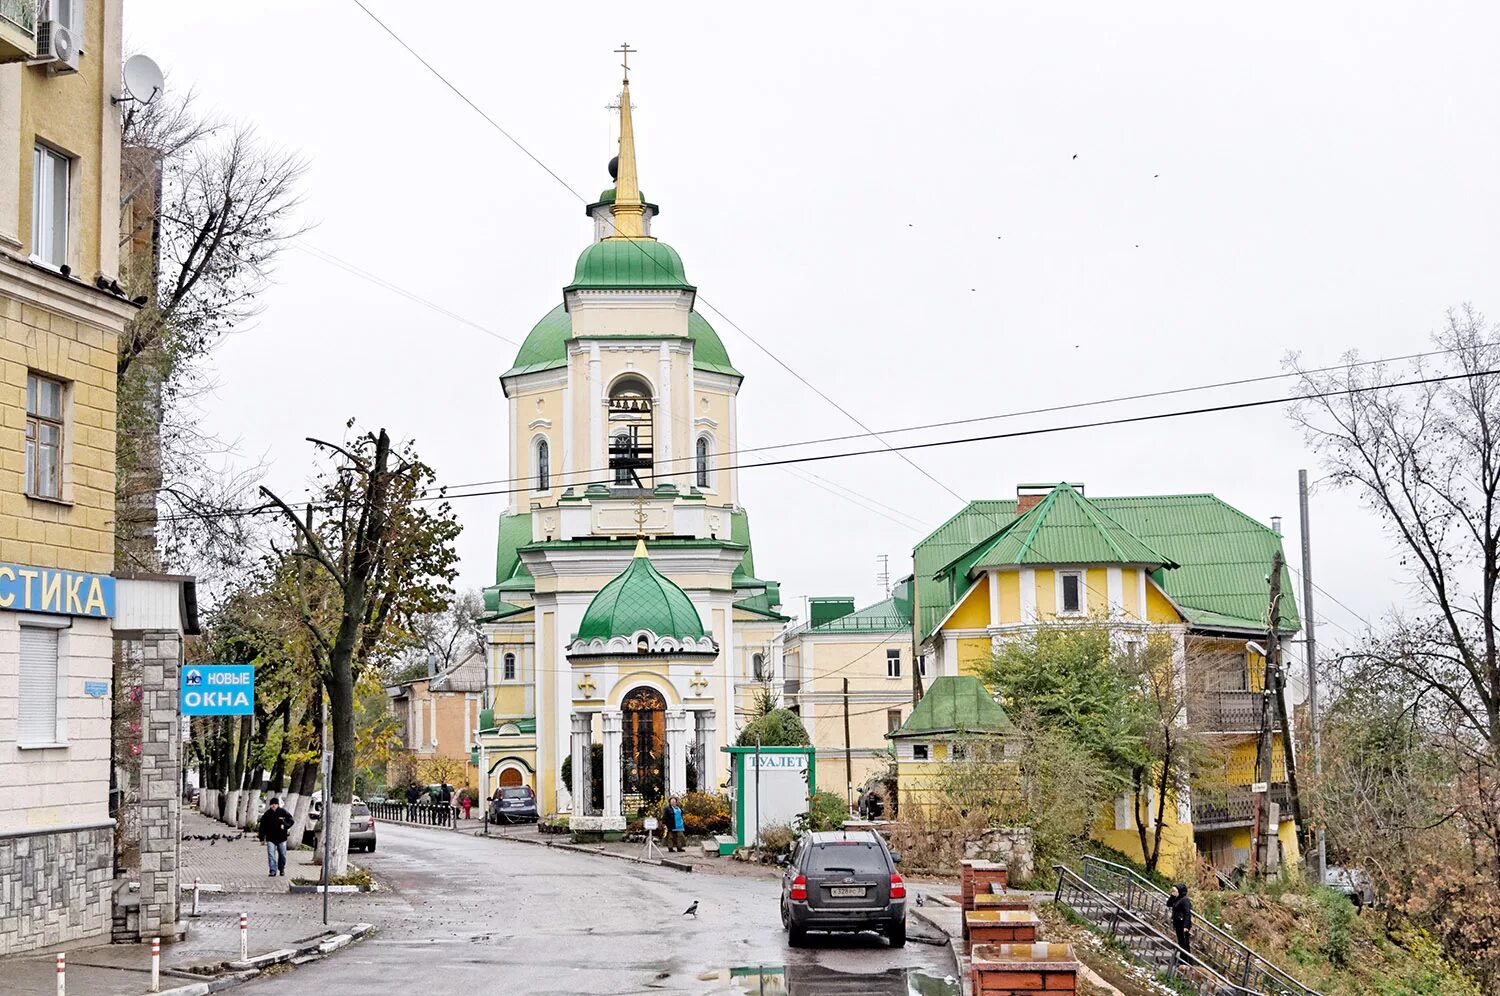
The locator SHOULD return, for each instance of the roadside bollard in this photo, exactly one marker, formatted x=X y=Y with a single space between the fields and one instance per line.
x=62 y=974
x=155 y=965
x=195 y=897
x=244 y=937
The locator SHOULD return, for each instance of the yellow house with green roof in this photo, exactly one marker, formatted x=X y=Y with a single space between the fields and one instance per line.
x=1191 y=567
x=622 y=410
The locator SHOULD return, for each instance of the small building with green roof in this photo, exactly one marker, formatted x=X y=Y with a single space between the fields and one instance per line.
x=621 y=415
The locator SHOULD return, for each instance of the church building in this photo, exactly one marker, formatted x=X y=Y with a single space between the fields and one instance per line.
x=623 y=422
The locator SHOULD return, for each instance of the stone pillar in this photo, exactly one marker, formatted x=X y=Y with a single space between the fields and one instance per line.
x=707 y=731
x=160 y=782
x=677 y=748
x=583 y=735
x=613 y=817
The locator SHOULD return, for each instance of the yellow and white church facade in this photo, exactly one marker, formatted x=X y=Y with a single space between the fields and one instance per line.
x=623 y=418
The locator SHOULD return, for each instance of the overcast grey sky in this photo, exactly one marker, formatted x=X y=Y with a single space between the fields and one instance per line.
x=930 y=211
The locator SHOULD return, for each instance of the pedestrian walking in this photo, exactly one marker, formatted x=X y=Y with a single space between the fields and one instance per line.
x=275 y=824
x=465 y=802
x=672 y=820
x=412 y=794
x=1181 y=909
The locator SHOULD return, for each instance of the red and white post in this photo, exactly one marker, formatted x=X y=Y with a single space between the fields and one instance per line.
x=155 y=965
x=62 y=974
x=244 y=937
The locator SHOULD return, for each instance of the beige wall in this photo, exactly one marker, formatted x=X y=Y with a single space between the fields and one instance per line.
x=823 y=663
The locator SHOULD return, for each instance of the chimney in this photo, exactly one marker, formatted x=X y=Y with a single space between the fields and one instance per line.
x=1276 y=524
x=1028 y=496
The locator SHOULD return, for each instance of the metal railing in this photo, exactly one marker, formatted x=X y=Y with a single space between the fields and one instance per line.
x=21 y=13
x=1226 y=711
x=1212 y=946
x=1238 y=806
x=422 y=814
x=1138 y=938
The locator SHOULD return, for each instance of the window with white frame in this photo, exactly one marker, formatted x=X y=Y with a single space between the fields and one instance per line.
x=68 y=13
x=44 y=436
x=49 y=206
x=1070 y=593
x=543 y=465
x=702 y=455
x=508 y=668
x=758 y=666
x=892 y=720
x=893 y=663
x=919 y=752
x=37 y=708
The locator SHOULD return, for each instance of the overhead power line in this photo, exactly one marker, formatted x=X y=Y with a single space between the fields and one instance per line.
x=652 y=259
x=992 y=437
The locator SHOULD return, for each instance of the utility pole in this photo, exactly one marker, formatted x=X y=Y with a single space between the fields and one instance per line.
x=848 y=753
x=1262 y=830
x=1311 y=649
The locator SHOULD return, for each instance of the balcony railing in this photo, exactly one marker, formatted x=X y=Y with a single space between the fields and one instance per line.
x=21 y=13
x=1226 y=712
x=1237 y=807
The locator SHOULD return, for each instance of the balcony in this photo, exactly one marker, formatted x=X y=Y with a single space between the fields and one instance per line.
x=17 y=30
x=1225 y=711
x=1237 y=808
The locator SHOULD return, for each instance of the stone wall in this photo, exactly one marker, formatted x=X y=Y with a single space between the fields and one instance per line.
x=1008 y=846
x=55 y=888
x=160 y=798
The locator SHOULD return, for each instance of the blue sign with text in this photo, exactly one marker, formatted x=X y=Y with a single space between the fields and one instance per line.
x=64 y=593
x=218 y=690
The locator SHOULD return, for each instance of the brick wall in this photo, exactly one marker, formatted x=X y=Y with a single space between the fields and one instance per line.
x=160 y=781
x=54 y=888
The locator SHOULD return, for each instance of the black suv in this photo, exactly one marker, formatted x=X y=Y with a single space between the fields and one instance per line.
x=843 y=881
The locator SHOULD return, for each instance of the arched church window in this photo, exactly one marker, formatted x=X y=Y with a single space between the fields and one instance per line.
x=508 y=671
x=631 y=445
x=758 y=664
x=543 y=465
x=703 y=452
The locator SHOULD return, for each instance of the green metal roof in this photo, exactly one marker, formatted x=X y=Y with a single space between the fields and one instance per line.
x=510 y=573
x=763 y=604
x=608 y=197
x=882 y=617
x=546 y=346
x=1063 y=528
x=640 y=598
x=629 y=264
x=1222 y=555
x=954 y=704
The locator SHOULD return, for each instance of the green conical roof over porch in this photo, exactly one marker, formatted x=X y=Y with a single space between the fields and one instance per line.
x=954 y=704
x=640 y=598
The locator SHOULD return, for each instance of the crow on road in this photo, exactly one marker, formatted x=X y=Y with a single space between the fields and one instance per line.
x=692 y=910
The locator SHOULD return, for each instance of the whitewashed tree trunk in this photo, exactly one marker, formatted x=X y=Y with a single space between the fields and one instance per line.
x=231 y=806
x=209 y=799
x=254 y=805
x=335 y=821
x=299 y=818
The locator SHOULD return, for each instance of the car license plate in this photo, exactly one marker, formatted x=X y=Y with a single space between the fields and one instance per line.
x=847 y=892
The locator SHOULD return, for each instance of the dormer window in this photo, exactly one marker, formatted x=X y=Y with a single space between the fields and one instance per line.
x=1070 y=593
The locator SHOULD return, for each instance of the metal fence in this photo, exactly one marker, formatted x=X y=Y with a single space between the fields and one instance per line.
x=1238 y=806
x=421 y=814
x=1211 y=945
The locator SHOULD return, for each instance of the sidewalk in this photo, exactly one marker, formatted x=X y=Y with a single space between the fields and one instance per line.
x=239 y=865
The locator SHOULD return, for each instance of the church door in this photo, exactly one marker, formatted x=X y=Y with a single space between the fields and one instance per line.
x=510 y=778
x=643 y=747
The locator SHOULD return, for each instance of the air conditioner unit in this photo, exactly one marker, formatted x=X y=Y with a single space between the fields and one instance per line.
x=57 y=47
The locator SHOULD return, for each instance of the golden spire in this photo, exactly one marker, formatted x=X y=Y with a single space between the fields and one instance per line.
x=640 y=549
x=629 y=211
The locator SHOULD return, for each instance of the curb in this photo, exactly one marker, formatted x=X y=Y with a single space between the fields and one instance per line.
x=955 y=945
x=583 y=849
x=249 y=969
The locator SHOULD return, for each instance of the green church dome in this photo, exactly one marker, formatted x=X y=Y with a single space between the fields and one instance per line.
x=629 y=264
x=641 y=598
x=546 y=347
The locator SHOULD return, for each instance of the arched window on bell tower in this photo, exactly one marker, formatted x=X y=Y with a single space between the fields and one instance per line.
x=702 y=462
x=543 y=465
x=631 y=443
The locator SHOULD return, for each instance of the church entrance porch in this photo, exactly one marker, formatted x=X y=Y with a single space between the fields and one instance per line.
x=646 y=752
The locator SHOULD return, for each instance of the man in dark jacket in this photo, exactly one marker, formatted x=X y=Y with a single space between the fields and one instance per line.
x=1181 y=909
x=275 y=823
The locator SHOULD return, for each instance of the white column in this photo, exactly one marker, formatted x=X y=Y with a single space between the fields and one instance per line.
x=583 y=734
x=1115 y=592
x=993 y=580
x=950 y=655
x=613 y=725
x=676 y=751
x=597 y=456
x=707 y=730
x=517 y=440
x=733 y=497
x=1028 y=595
x=664 y=411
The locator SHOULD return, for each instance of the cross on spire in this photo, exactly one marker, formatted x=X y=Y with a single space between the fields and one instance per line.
x=625 y=51
x=640 y=516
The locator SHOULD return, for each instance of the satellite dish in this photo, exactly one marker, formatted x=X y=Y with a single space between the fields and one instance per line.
x=143 y=79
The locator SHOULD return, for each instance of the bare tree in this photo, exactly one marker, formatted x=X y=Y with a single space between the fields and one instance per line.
x=443 y=638
x=1426 y=459
x=205 y=210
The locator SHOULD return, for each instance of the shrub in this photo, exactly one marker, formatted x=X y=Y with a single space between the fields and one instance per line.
x=1337 y=913
x=777 y=839
x=826 y=811
x=777 y=728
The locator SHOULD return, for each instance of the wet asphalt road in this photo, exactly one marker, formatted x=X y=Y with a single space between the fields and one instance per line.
x=467 y=915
